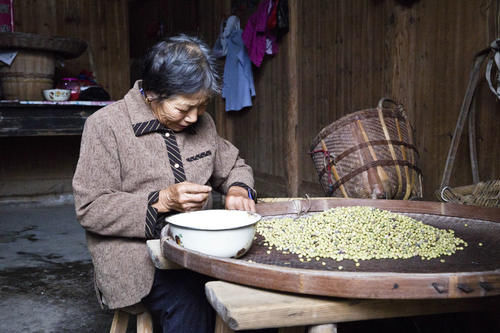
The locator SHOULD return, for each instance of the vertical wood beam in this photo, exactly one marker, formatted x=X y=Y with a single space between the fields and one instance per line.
x=492 y=13
x=402 y=53
x=223 y=121
x=291 y=138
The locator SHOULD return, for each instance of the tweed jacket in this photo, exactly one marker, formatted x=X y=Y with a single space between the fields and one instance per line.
x=124 y=161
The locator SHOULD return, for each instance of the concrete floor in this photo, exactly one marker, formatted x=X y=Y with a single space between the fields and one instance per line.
x=46 y=280
x=46 y=272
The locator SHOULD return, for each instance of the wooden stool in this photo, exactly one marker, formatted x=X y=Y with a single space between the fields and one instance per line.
x=120 y=322
x=240 y=308
x=144 y=319
x=120 y=319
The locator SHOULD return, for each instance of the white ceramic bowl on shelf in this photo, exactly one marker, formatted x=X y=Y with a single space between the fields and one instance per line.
x=56 y=95
x=216 y=232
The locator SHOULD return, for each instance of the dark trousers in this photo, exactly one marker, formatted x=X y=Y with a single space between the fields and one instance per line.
x=178 y=303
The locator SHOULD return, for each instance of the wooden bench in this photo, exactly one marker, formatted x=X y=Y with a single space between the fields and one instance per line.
x=240 y=307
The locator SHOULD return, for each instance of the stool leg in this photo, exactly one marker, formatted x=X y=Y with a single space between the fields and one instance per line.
x=221 y=326
x=120 y=322
x=144 y=323
x=327 y=328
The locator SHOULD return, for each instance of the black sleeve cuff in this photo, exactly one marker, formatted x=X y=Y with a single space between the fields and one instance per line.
x=251 y=192
x=151 y=215
x=155 y=221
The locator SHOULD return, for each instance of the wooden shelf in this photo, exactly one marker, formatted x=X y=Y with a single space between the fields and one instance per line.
x=32 y=118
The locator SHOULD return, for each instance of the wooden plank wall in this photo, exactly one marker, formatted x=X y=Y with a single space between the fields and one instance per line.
x=352 y=53
x=104 y=25
x=153 y=20
x=212 y=13
x=45 y=165
x=444 y=50
x=192 y=17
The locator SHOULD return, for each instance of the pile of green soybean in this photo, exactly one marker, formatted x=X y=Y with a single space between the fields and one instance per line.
x=358 y=233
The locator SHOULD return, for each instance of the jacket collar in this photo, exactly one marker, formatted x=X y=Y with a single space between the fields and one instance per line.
x=147 y=127
x=141 y=117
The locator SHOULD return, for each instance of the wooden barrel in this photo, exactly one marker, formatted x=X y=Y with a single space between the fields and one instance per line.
x=29 y=74
x=33 y=68
x=369 y=154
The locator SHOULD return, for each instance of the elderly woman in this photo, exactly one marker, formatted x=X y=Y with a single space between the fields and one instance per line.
x=154 y=153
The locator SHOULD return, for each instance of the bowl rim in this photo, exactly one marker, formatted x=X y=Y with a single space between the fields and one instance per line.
x=57 y=89
x=253 y=218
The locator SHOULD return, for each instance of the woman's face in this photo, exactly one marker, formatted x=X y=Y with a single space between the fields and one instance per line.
x=180 y=111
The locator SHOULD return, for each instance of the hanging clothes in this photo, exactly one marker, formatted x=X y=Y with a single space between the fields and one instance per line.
x=282 y=18
x=237 y=86
x=257 y=36
x=226 y=28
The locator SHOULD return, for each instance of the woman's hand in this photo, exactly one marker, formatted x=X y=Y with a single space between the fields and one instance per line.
x=182 y=197
x=237 y=199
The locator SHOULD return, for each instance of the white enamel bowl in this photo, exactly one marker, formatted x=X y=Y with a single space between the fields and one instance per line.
x=216 y=232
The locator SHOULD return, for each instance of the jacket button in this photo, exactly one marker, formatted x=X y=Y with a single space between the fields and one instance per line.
x=167 y=135
x=176 y=165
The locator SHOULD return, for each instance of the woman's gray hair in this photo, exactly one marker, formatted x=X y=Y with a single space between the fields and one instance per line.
x=180 y=65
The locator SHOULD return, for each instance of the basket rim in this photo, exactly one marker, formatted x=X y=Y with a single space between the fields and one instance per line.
x=67 y=47
x=357 y=115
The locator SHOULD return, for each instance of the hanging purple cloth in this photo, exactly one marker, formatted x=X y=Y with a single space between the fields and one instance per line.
x=255 y=33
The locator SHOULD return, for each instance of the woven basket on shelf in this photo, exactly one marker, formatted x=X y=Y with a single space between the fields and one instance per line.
x=484 y=194
x=369 y=154
x=32 y=70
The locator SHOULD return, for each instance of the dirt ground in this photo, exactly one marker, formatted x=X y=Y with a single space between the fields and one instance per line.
x=46 y=281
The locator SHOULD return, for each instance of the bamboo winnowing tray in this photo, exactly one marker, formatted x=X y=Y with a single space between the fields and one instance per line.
x=472 y=272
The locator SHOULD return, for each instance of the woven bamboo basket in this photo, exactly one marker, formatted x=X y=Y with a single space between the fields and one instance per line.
x=369 y=154
x=484 y=194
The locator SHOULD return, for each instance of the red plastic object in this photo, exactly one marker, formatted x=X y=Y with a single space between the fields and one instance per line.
x=72 y=84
